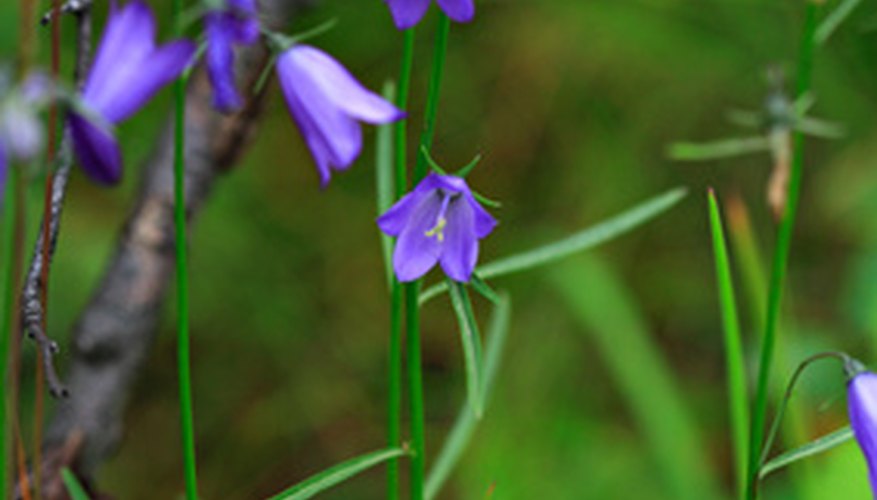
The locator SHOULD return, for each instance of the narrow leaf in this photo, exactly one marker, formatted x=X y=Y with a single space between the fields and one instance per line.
x=333 y=476
x=835 y=19
x=76 y=491
x=814 y=447
x=578 y=242
x=734 y=360
x=460 y=435
x=481 y=286
x=471 y=341
x=385 y=180
x=725 y=148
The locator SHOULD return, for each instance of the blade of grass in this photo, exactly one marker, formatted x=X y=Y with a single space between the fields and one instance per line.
x=603 y=308
x=337 y=474
x=835 y=19
x=470 y=339
x=458 y=439
x=725 y=148
x=814 y=447
x=735 y=364
x=76 y=491
x=9 y=288
x=385 y=180
x=583 y=240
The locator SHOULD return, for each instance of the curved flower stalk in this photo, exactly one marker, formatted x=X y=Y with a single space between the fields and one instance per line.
x=862 y=407
x=327 y=103
x=440 y=221
x=235 y=24
x=128 y=70
x=407 y=13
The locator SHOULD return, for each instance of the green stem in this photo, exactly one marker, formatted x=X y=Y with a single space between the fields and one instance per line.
x=9 y=289
x=394 y=410
x=187 y=424
x=412 y=290
x=781 y=254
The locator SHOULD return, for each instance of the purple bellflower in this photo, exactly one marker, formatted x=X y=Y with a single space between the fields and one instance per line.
x=862 y=403
x=407 y=13
x=21 y=133
x=327 y=102
x=236 y=24
x=128 y=70
x=439 y=221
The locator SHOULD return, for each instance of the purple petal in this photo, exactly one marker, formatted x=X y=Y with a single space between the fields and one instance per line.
x=220 y=62
x=332 y=80
x=484 y=222
x=460 y=246
x=394 y=220
x=407 y=13
x=416 y=253
x=21 y=130
x=98 y=152
x=461 y=11
x=862 y=402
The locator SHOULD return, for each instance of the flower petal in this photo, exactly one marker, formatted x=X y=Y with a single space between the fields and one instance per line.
x=220 y=61
x=484 y=222
x=97 y=151
x=407 y=13
x=461 y=11
x=394 y=220
x=341 y=88
x=416 y=253
x=460 y=246
x=862 y=401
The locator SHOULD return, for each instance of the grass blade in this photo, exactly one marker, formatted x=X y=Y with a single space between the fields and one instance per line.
x=735 y=364
x=385 y=179
x=578 y=242
x=604 y=309
x=471 y=341
x=333 y=476
x=835 y=19
x=723 y=148
x=76 y=491
x=814 y=447
x=458 y=439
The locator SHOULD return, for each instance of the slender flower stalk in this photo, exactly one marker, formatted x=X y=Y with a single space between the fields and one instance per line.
x=187 y=420
x=394 y=403
x=781 y=253
x=10 y=286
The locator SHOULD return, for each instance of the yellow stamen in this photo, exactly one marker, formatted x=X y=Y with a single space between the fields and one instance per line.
x=438 y=230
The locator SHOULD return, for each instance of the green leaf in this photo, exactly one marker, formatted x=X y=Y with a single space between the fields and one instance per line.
x=723 y=148
x=578 y=242
x=460 y=435
x=814 y=447
x=481 y=286
x=471 y=341
x=734 y=360
x=835 y=19
x=333 y=476
x=76 y=491
x=384 y=176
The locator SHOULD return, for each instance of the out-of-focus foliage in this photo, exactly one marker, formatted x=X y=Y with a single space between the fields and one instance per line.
x=572 y=103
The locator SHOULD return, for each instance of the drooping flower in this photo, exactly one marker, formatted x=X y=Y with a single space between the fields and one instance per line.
x=862 y=407
x=407 y=13
x=327 y=102
x=21 y=133
x=129 y=68
x=236 y=24
x=439 y=221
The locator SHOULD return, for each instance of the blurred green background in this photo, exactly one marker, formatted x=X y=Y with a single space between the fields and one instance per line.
x=613 y=383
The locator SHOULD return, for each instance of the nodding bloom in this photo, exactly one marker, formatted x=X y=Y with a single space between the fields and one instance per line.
x=21 y=133
x=327 y=102
x=407 y=13
x=236 y=24
x=439 y=221
x=862 y=403
x=128 y=70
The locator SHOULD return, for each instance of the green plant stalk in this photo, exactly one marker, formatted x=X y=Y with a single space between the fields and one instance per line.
x=781 y=255
x=737 y=397
x=412 y=290
x=9 y=289
x=394 y=402
x=187 y=424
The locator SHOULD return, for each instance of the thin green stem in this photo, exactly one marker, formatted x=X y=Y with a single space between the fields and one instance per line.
x=394 y=403
x=435 y=82
x=187 y=424
x=781 y=254
x=9 y=288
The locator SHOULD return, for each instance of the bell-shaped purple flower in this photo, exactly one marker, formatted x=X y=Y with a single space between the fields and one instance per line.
x=21 y=133
x=862 y=403
x=407 y=13
x=327 y=103
x=235 y=25
x=439 y=221
x=128 y=70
